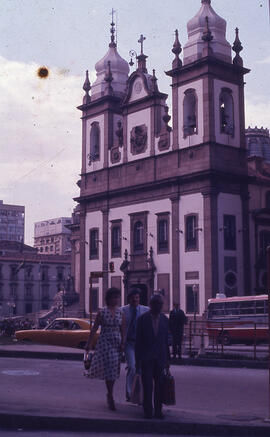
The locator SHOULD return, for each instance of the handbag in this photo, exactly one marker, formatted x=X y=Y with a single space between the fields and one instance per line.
x=137 y=391
x=87 y=360
x=168 y=388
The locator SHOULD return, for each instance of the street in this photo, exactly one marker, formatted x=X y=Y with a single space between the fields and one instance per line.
x=69 y=434
x=52 y=387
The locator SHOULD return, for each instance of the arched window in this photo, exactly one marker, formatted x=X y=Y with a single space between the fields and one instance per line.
x=138 y=236
x=226 y=112
x=94 y=154
x=190 y=113
x=267 y=199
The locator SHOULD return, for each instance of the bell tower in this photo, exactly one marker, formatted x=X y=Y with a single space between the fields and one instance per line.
x=208 y=96
x=209 y=134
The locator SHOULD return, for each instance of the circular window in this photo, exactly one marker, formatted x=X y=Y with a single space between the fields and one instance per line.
x=230 y=279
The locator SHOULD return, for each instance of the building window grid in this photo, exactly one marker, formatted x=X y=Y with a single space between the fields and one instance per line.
x=191 y=232
x=116 y=240
x=138 y=236
x=93 y=243
x=163 y=233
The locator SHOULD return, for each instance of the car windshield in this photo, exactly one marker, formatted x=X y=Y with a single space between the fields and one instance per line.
x=59 y=325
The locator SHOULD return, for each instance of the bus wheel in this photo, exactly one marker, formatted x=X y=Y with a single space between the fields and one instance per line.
x=224 y=339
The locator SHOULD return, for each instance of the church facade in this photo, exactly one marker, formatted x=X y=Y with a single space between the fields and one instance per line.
x=166 y=199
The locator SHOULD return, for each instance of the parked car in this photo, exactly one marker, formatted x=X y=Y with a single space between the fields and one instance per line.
x=61 y=332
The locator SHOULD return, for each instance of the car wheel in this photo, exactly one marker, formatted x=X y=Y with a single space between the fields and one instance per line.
x=224 y=339
x=82 y=345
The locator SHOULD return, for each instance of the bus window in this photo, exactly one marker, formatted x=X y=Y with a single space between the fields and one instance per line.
x=259 y=306
x=246 y=307
x=231 y=308
x=215 y=310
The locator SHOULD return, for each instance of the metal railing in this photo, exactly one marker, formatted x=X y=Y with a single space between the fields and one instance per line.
x=202 y=339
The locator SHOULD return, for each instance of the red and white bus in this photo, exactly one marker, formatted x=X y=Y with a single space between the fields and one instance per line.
x=239 y=319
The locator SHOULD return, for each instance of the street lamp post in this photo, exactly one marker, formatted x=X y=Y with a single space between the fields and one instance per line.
x=195 y=291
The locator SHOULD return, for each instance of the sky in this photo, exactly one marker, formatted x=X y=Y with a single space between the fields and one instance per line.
x=40 y=141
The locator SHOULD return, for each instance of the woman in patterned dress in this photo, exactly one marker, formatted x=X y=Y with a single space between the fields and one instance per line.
x=107 y=357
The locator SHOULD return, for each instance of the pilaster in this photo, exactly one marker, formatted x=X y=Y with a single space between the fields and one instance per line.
x=175 y=249
x=105 y=250
x=83 y=246
x=210 y=229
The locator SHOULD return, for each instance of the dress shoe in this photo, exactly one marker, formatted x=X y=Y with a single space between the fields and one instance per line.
x=110 y=402
x=159 y=415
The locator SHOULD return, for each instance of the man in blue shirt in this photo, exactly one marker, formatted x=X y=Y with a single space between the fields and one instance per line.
x=131 y=313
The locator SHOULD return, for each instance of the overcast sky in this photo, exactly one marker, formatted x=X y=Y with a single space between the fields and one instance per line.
x=40 y=141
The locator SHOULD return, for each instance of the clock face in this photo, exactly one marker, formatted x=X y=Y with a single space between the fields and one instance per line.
x=138 y=86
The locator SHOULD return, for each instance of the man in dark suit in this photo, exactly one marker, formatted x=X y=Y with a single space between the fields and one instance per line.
x=177 y=320
x=152 y=355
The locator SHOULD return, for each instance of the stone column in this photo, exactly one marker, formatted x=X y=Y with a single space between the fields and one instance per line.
x=83 y=284
x=175 y=117
x=175 y=249
x=246 y=242
x=105 y=250
x=208 y=110
x=210 y=230
x=125 y=138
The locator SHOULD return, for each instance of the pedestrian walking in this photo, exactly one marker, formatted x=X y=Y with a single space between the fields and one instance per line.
x=152 y=355
x=131 y=312
x=107 y=357
x=177 y=320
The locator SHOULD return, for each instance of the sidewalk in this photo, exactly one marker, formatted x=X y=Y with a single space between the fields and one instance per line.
x=29 y=350
x=54 y=395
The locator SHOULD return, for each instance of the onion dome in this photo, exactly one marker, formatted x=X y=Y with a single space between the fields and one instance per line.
x=194 y=47
x=119 y=70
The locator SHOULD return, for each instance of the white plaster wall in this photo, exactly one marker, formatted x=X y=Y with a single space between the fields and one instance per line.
x=137 y=119
x=138 y=90
x=97 y=165
x=163 y=262
x=93 y=220
x=193 y=260
x=221 y=137
x=230 y=204
x=195 y=139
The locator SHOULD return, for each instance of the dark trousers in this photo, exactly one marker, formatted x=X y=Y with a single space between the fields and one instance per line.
x=177 y=343
x=152 y=372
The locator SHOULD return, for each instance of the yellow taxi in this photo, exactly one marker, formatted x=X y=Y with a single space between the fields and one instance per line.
x=69 y=332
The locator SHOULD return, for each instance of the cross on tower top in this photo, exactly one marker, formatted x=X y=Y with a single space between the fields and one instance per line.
x=112 y=14
x=112 y=43
x=140 y=41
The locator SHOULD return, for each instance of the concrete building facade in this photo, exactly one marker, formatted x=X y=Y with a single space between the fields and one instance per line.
x=29 y=281
x=11 y=222
x=52 y=237
x=170 y=206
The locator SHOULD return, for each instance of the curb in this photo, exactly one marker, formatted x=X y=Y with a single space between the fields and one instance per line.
x=204 y=362
x=42 y=355
x=26 y=422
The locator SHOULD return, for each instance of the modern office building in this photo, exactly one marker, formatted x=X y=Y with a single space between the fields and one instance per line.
x=11 y=222
x=52 y=237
